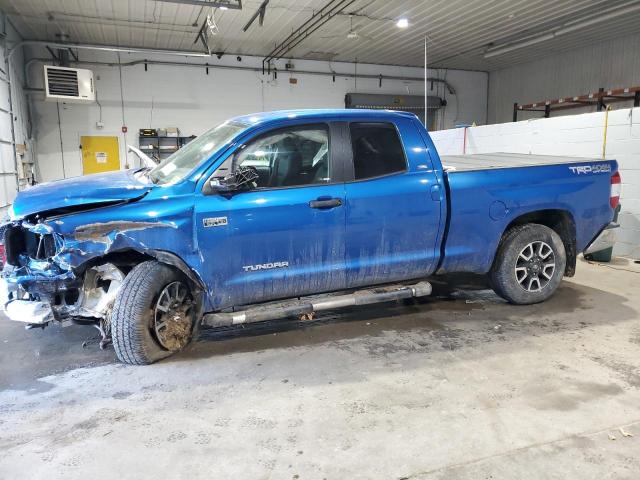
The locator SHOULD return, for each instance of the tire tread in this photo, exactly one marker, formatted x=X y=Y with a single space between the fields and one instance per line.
x=127 y=332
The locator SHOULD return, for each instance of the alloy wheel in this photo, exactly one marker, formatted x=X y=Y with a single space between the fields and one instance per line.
x=172 y=320
x=535 y=266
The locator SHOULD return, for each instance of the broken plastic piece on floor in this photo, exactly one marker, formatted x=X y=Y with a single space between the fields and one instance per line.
x=29 y=311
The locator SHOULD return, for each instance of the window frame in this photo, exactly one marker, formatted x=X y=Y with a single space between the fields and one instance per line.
x=334 y=164
x=352 y=166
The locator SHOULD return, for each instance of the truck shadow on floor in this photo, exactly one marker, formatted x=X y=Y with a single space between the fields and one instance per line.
x=461 y=311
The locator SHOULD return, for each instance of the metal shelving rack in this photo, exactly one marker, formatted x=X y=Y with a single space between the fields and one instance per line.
x=160 y=147
x=600 y=99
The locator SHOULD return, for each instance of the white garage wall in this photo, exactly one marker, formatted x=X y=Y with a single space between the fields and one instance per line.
x=610 y=64
x=20 y=118
x=576 y=135
x=189 y=99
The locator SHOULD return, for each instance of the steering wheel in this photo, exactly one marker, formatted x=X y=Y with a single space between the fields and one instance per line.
x=245 y=177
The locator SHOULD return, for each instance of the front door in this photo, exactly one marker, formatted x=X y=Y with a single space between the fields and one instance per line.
x=282 y=237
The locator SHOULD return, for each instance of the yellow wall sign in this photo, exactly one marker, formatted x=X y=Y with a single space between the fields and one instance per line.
x=99 y=154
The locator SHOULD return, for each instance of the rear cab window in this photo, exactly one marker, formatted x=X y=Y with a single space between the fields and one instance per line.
x=377 y=150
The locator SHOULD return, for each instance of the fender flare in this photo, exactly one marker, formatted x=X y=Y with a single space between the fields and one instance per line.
x=175 y=261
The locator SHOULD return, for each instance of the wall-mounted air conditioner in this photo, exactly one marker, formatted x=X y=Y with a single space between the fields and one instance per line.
x=72 y=85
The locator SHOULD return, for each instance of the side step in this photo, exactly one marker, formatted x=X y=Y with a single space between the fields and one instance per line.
x=307 y=306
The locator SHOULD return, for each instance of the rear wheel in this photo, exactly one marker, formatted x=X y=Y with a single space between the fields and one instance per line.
x=529 y=265
x=153 y=315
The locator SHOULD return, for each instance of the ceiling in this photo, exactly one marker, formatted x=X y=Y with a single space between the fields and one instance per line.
x=459 y=32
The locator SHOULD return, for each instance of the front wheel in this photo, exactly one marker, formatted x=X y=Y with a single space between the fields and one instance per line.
x=529 y=265
x=153 y=314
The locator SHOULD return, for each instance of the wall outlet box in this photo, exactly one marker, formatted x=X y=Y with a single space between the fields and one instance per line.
x=99 y=125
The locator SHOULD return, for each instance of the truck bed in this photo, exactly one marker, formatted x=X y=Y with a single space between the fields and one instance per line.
x=487 y=161
x=486 y=192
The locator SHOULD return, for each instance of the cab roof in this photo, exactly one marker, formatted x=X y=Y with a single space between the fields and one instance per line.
x=321 y=114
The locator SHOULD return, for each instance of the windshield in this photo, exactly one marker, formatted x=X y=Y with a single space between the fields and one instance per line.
x=177 y=166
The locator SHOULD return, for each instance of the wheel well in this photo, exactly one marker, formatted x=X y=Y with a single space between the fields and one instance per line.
x=562 y=223
x=125 y=260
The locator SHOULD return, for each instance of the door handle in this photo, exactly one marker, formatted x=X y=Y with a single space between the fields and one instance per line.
x=325 y=203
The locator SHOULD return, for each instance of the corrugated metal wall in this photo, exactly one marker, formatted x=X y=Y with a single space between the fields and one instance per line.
x=8 y=175
x=7 y=166
x=612 y=64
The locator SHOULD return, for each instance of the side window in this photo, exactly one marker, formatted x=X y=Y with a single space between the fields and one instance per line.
x=288 y=157
x=377 y=150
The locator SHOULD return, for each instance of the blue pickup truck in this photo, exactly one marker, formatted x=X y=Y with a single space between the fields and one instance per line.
x=289 y=213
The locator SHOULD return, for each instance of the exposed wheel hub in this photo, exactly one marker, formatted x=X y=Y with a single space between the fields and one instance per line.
x=535 y=266
x=172 y=319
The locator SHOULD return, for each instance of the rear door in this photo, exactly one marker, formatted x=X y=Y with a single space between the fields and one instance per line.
x=393 y=204
x=284 y=237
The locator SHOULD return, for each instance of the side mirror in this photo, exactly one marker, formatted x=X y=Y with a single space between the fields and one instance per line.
x=217 y=186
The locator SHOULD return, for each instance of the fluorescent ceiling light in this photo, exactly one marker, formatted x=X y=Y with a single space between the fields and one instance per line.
x=108 y=48
x=516 y=46
x=561 y=30
x=402 y=23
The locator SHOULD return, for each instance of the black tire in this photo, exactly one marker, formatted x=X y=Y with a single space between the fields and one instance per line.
x=133 y=316
x=520 y=287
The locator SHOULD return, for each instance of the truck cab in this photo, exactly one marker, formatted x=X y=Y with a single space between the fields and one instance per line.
x=333 y=205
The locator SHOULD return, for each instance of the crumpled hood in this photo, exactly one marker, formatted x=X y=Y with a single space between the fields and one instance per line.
x=88 y=190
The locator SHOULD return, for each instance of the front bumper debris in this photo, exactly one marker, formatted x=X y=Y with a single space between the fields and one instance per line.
x=29 y=311
x=17 y=305
x=606 y=239
x=41 y=298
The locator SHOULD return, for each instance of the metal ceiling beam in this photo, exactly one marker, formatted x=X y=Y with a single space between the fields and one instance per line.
x=202 y=36
x=231 y=5
x=259 y=13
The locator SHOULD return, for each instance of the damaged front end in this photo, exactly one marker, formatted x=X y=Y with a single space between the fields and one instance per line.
x=39 y=285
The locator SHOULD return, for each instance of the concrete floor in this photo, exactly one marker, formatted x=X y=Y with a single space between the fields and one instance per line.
x=463 y=387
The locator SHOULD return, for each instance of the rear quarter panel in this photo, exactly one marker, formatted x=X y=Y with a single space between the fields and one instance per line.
x=483 y=203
